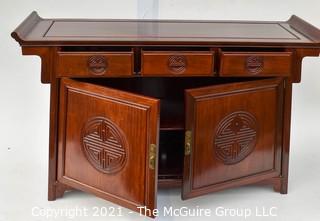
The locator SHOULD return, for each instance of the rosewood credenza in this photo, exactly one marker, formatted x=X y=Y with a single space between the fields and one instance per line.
x=142 y=104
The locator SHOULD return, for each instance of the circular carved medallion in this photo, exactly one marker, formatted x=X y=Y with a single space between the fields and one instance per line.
x=97 y=64
x=254 y=64
x=177 y=63
x=104 y=145
x=235 y=137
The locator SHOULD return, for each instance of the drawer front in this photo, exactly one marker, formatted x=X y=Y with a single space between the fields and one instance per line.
x=255 y=64
x=177 y=63
x=94 y=64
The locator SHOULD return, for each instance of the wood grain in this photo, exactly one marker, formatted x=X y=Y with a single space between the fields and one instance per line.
x=268 y=64
x=71 y=64
x=207 y=107
x=138 y=119
x=177 y=63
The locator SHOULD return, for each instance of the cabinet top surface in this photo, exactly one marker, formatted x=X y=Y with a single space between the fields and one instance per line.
x=37 y=31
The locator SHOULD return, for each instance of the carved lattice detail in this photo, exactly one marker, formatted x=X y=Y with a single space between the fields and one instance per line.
x=177 y=63
x=235 y=137
x=104 y=145
x=97 y=64
x=254 y=64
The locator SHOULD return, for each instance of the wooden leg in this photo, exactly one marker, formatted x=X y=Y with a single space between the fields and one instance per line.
x=277 y=185
x=53 y=186
x=274 y=182
x=61 y=189
x=55 y=189
x=286 y=137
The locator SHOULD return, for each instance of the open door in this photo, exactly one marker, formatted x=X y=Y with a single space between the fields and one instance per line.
x=108 y=143
x=233 y=135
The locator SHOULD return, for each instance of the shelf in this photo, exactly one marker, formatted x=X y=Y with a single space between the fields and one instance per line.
x=169 y=182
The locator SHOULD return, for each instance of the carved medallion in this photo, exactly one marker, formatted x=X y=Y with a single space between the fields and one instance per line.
x=254 y=64
x=177 y=64
x=104 y=145
x=235 y=137
x=97 y=64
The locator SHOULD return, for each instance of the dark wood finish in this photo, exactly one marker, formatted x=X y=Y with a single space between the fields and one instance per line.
x=227 y=83
x=286 y=136
x=53 y=185
x=236 y=135
x=38 y=31
x=160 y=63
x=112 y=152
x=98 y=64
x=304 y=27
x=255 y=64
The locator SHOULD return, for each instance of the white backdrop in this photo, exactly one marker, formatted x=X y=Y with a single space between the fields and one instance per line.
x=24 y=113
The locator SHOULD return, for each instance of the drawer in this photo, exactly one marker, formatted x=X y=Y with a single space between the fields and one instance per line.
x=255 y=64
x=177 y=63
x=94 y=64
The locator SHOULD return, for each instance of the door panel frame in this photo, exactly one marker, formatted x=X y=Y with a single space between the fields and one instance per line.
x=194 y=95
x=150 y=105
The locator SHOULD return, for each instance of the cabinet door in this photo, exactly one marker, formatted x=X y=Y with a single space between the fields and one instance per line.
x=108 y=143
x=233 y=135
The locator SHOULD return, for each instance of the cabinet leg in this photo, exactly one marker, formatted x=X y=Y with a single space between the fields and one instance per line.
x=284 y=186
x=57 y=190
x=52 y=192
x=286 y=137
x=277 y=186
x=53 y=188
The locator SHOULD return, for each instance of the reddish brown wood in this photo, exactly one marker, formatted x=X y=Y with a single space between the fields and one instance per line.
x=304 y=27
x=120 y=73
x=115 y=126
x=94 y=64
x=286 y=136
x=38 y=31
x=255 y=64
x=235 y=135
x=177 y=63
x=53 y=188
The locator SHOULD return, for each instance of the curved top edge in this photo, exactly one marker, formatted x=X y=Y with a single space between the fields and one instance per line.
x=305 y=28
x=32 y=32
x=24 y=28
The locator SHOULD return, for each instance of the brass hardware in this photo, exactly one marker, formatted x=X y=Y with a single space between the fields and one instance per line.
x=187 y=143
x=152 y=156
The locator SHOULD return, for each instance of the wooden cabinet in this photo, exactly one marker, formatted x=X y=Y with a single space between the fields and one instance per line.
x=135 y=108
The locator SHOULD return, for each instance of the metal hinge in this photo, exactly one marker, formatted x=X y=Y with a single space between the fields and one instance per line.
x=152 y=156
x=187 y=143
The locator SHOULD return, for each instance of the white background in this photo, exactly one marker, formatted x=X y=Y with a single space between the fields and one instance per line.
x=24 y=113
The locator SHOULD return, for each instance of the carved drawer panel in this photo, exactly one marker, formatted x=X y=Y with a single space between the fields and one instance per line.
x=177 y=63
x=94 y=64
x=255 y=64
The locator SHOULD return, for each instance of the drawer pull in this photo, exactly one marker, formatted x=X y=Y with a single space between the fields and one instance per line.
x=97 y=64
x=177 y=64
x=254 y=64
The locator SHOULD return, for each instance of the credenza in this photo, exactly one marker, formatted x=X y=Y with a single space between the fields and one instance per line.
x=136 y=105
